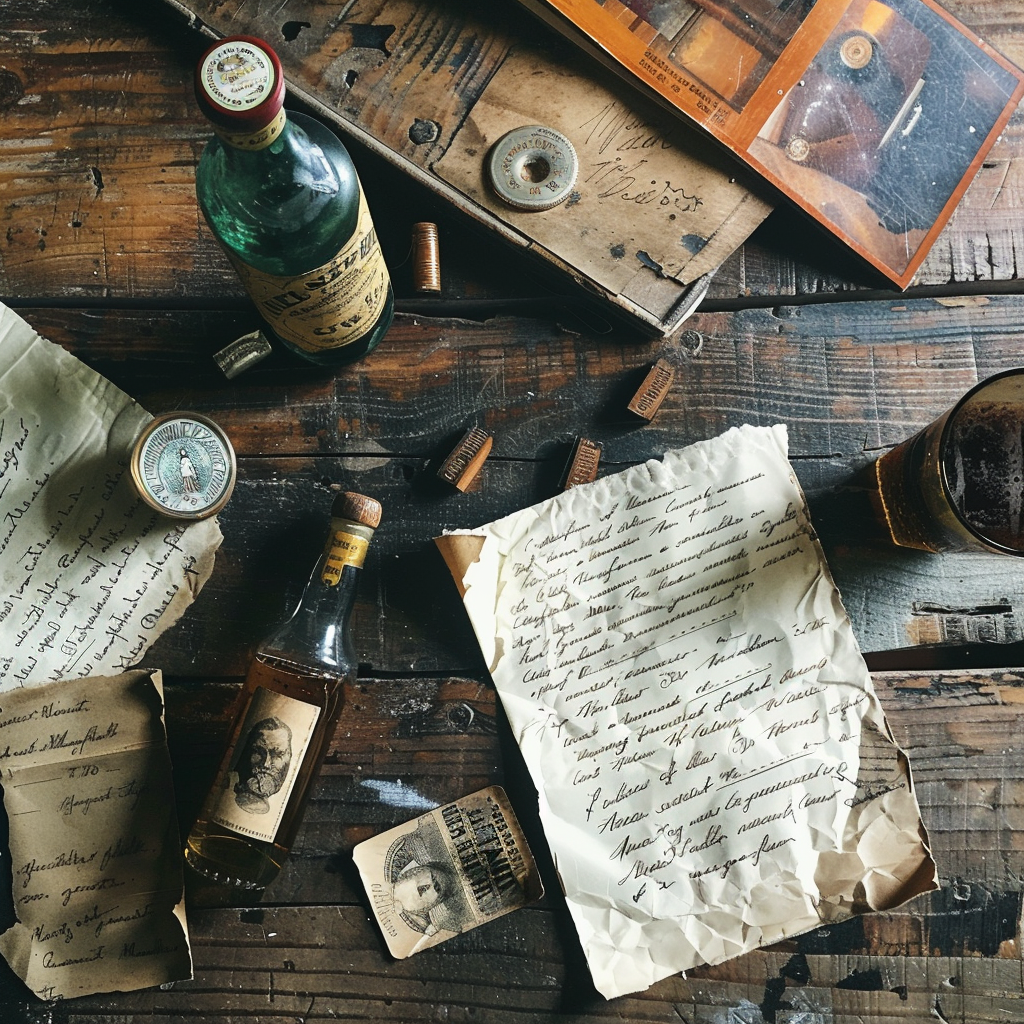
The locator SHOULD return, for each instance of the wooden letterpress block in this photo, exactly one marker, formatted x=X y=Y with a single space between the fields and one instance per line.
x=582 y=465
x=465 y=461
x=652 y=392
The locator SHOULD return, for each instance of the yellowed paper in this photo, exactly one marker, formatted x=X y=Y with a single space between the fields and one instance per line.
x=715 y=771
x=448 y=871
x=89 y=575
x=95 y=857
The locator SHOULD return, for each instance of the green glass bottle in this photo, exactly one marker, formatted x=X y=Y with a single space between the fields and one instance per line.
x=285 y=716
x=282 y=196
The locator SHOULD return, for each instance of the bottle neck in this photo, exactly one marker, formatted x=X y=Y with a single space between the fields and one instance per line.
x=290 y=173
x=316 y=635
x=253 y=142
x=347 y=544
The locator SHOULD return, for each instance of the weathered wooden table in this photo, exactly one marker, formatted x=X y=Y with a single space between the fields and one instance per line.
x=103 y=251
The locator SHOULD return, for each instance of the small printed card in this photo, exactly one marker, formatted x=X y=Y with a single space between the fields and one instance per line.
x=448 y=871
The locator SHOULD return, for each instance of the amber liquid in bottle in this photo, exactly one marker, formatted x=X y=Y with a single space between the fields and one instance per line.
x=222 y=853
x=285 y=717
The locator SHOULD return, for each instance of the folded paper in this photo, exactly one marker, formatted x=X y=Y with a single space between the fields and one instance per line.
x=95 y=857
x=715 y=772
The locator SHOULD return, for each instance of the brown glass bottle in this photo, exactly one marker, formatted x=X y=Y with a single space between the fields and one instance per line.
x=285 y=716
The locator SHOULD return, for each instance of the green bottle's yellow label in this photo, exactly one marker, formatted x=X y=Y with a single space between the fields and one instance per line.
x=254 y=140
x=342 y=549
x=329 y=307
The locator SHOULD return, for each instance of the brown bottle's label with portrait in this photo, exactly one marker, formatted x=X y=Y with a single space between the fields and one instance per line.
x=262 y=764
x=329 y=307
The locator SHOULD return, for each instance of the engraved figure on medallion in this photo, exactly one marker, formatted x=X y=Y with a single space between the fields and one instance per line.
x=189 y=480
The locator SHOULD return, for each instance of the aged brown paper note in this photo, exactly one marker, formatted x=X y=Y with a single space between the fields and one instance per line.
x=89 y=576
x=95 y=857
x=714 y=769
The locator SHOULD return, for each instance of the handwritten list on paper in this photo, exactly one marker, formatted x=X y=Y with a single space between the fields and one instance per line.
x=715 y=772
x=95 y=858
x=89 y=575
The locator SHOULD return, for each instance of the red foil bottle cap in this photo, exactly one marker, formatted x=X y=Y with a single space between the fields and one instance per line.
x=239 y=84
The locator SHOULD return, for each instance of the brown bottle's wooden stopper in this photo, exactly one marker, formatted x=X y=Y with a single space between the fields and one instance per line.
x=426 y=260
x=582 y=465
x=358 y=508
x=652 y=392
x=465 y=461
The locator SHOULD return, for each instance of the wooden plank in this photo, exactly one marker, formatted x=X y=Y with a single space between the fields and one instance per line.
x=406 y=744
x=392 y=69
x=980 y=245
x=99 y=158
x=952 y=956
x=130 y=170
x=849 y=380
x=103 y=135
x=97 y=168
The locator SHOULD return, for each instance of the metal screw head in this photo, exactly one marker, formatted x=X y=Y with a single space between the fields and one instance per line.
x=798 y=149
x=533 y=167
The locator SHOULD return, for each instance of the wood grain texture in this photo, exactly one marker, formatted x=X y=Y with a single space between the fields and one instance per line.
x=310 y=950
x=103 y=250
x=98 y=175
x=848 y=379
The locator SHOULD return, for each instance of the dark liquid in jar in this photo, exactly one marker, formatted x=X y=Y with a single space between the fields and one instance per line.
x=983 y=463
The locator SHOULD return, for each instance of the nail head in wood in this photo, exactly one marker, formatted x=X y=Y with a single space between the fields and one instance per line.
x=652 y=392
x=468 y=456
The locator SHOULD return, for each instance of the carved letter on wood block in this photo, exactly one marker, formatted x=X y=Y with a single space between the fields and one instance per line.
x=582 y=466
x=652 y=392
x=465 y=461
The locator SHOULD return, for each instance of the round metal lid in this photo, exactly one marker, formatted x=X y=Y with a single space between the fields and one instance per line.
x=533 y=167
x=239 y=84
x=183 y=465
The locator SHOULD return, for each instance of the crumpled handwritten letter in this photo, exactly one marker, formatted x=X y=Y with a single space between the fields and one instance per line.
x=715 y=771
x=89 y=575
x=95 y=856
